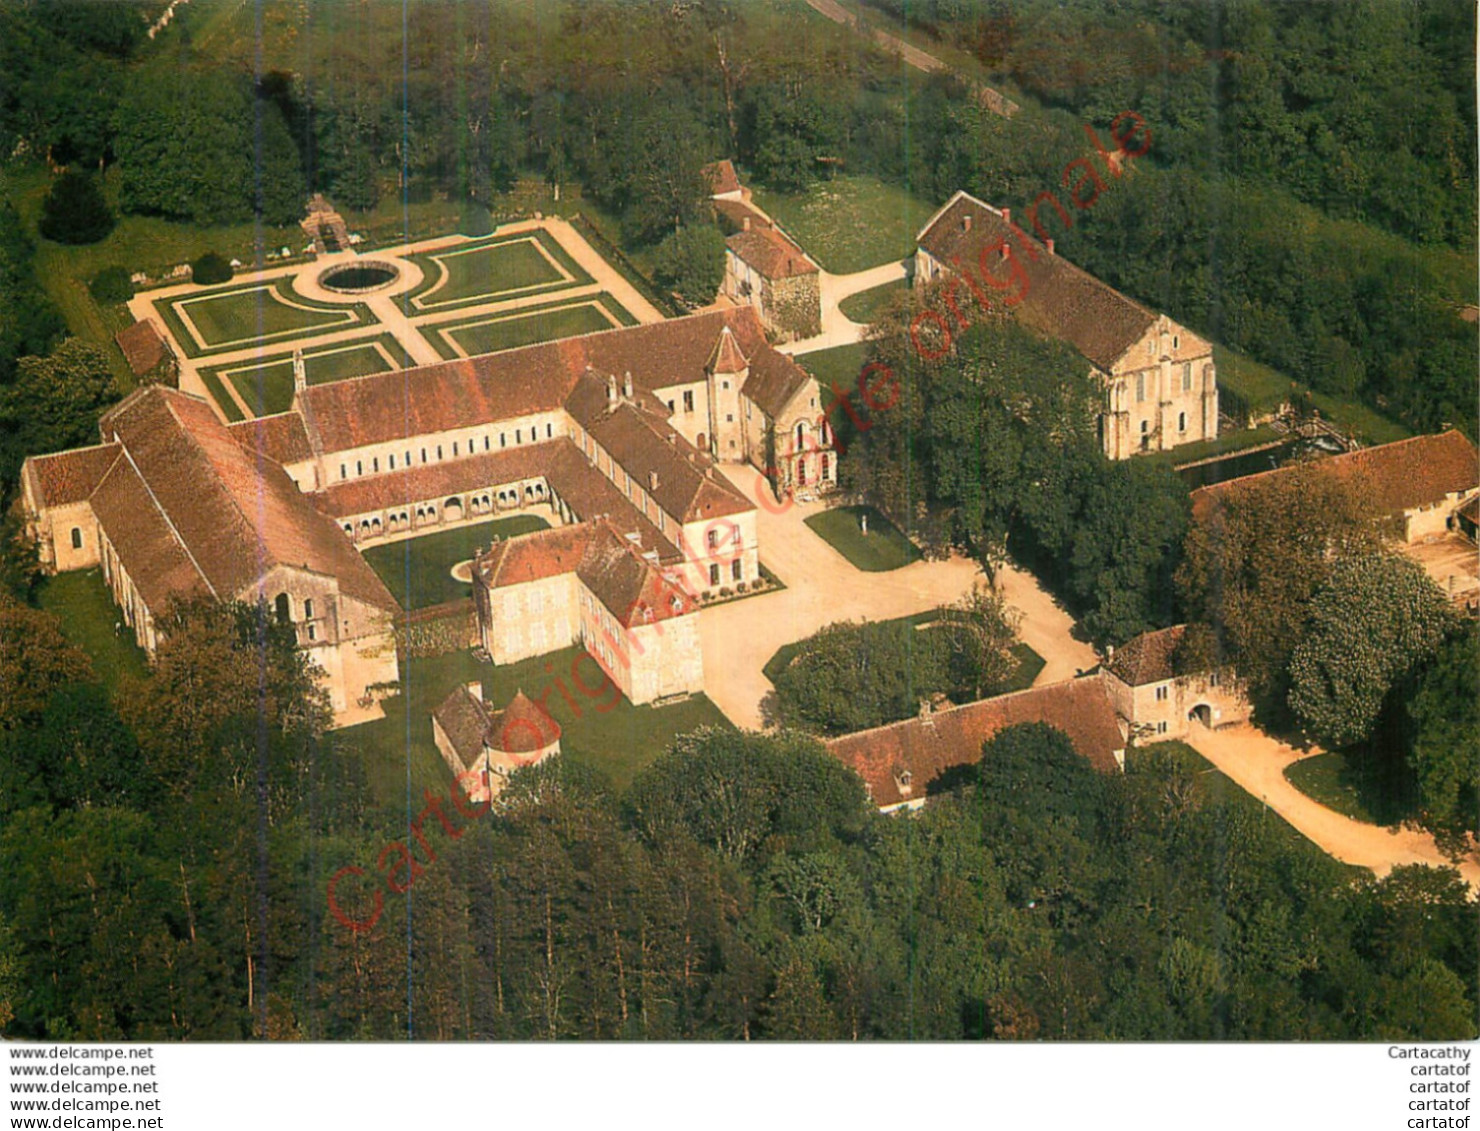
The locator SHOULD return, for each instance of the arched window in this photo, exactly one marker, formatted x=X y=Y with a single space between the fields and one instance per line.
x=308 y=608
x=801 y=435
x=284 y=609
x=825 y=466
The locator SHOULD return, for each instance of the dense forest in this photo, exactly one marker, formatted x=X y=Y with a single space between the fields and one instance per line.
x=1309 y=195
x=170 y=841
x=172 y=851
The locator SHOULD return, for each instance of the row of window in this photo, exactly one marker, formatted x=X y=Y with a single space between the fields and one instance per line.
x=435 y=453
x=1186 y=382
x=736 y=573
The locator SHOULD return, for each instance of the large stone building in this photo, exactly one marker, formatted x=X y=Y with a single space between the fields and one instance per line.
x=1161 y=389
x=764 y=267
x=903 y=763
x=621 y=428
x=1160 y=699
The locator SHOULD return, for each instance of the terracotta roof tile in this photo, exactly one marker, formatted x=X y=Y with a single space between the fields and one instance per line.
x=1147 y=658
x=436 y=480
x=521 y=728
x=774 y=380
x=143 y=346
x=69 y=477
x=282 y=437
x=534 y=557
x=463 y=717
x=771 y=253
x=236 y=512
x=146 y=545
x=639 y=438
x=1059 y=299
x=926 y=748
x=632 y=588
x=721 y=177
x=1396 y=477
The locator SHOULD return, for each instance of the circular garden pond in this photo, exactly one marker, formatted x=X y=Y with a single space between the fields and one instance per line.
x=359 y=278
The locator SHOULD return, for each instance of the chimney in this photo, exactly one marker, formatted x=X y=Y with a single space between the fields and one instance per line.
x=1048 y=243
x=475 y=689
x=1006 y=250
x=652 y=480
x=966 y=223
x=627 y=385
x=300 y=374
x=1007 y=215
x=745 y=223
x=611 y=391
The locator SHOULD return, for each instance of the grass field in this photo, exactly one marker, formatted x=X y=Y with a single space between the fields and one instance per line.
x=222 y=398
x=850 y=223
x=237 y=316
x=600 y=729
x=267 y=386
x=1265 y=389
x=491 y=269
x=418 y=570
x=84 y=606
x=883 y=548
x=491 y=333
x=866 y=305
x=1361 y=783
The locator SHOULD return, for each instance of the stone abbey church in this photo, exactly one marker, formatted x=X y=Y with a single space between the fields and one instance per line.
x=1161 y=389
x=615 y=436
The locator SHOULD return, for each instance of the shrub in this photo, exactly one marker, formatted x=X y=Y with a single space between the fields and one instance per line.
x=74 y=211
x=476 y=220
x=211 y=268
x=741 y=587
x=111 y=285
x=726 y=591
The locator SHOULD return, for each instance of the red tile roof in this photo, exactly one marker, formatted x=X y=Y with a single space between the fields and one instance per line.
x=1147 y=658
x=438 y=481
x=69 y=477
x=1059 y=299
x=534 y=557
x=463 y=717
x=1395 y=477
x=721 y=176
x=521 y=728
x=145 y=543
x=282 y=437
x=771 y=253
x=638 y=437
x=143 y=346
x=927 y=747
x=236 y=513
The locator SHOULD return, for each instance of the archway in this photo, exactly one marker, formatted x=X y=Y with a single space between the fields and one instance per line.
x=452 y=509
x=1202 y=713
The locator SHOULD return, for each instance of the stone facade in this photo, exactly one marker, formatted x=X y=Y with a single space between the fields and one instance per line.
x=1157 y=703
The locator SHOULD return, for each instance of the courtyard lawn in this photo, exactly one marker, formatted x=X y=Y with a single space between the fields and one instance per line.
x=841 y=367
x=492 y=333
x=222 y=398
x=500 y=267
x=883 y=548
x=866 y=305
x=850 y=223
x=600 y=728
x=84 y=606
x=1265 y=389
x=418 y=571
x=267 y=386
x=238 y=316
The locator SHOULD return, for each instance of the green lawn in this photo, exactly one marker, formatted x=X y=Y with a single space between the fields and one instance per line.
x=883 y=548
x=491 y=334
x=1265 y=389
x=850 y=223
x=221 y=396
x=840 y=366
x=267 y=387
x=1235 y=441
x=1362 y=783
x=237 y=316
x=418 y=570
x=487 y=270
x=599 y=728
x=81 y=601
x=866 y=305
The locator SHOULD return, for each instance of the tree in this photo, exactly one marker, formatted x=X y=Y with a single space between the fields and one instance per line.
x=53 y=403
x=691 y=261
x=111 y=285
x=1257 y=553
x=210 y=268
x=988 y=631
x=36 y=660
x=74 y=211
x=1376 y=618
x=1444 y=743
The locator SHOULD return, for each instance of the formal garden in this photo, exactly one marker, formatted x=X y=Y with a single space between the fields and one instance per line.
x=265 y=385
x=489 y=333
x=512 y=265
